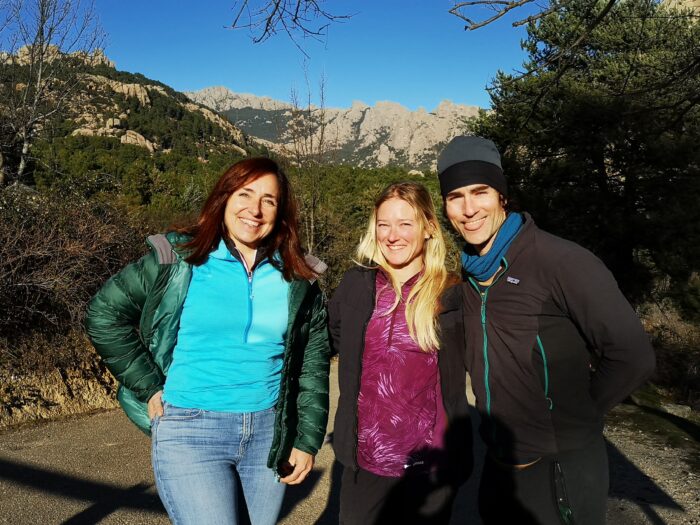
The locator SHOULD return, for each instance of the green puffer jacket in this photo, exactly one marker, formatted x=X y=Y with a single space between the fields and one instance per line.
x=133 y=323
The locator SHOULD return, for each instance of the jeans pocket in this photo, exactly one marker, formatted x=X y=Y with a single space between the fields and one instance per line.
x=173 y=413
x=154 y=422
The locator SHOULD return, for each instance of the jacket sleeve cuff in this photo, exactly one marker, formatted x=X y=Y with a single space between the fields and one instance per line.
x=305 y=447
x=145 y=395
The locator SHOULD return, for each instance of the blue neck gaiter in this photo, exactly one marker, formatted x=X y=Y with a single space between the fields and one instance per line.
x=484 y=267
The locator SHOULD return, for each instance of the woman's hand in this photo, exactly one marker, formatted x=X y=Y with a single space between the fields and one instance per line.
x=155 y=405
x=301 y=463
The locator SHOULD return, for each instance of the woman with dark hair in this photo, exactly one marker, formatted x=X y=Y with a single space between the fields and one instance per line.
x=218 y=339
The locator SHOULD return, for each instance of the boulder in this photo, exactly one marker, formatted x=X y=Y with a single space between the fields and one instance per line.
x=131 y=137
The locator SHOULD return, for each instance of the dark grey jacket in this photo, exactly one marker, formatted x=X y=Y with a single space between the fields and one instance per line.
x=551 y=346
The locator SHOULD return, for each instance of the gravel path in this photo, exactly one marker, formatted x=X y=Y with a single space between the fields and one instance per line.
x=96 y=469
x=654 y=474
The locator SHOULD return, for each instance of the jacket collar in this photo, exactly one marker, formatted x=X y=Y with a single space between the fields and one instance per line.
x=176 y=241
x=227 y=251
x=524 y=239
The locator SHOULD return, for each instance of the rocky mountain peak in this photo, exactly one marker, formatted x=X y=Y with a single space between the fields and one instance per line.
x=387 y=133
x=24 y=56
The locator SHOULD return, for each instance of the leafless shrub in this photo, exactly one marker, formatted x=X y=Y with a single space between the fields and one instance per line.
x=41 y=353
x=55 y=252
x=677 y=345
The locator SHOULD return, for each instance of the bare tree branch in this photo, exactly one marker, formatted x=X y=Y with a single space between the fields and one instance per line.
x=309 y=143
x=295 y=18
x=502 y=7
x=45 y=43
x=265 y=18
x=535 y=17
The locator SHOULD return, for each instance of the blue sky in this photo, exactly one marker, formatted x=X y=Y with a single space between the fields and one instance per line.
x=411 y=51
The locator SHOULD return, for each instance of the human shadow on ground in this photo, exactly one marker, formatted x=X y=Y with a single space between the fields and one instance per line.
x=330 y=514
x=105 y=498
x=295 y=494
x=628 y=482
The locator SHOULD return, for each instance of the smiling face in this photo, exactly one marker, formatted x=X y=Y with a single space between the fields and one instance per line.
x=251 y=212
x=476 y=212
x=400 y=236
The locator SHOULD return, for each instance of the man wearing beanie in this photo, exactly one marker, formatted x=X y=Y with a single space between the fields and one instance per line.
x=550 y=343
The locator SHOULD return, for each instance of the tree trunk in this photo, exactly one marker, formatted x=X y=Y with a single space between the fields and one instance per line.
x=23 y=158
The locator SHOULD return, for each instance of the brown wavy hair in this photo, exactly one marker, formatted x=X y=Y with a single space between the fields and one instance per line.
x=284 y=237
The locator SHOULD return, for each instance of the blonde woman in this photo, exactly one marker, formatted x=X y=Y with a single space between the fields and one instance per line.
x=401 y=428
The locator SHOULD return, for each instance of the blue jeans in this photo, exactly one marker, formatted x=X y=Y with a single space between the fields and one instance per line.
x=200 y=456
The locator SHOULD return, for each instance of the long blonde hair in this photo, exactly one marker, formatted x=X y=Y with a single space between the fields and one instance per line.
x=423 y=302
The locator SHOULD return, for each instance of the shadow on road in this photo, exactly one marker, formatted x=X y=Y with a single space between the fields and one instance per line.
x=105 y=498
x=332 y=511
x=295 y=494
x=627 y=482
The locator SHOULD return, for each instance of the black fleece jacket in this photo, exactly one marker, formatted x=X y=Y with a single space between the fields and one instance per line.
x=349 y=311
x=551 y=346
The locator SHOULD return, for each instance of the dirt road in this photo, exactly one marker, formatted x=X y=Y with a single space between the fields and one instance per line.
x=96 y=469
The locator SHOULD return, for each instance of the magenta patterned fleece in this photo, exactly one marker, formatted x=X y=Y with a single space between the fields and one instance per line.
x=400 y=410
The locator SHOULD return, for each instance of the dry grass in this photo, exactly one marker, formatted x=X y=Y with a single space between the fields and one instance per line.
x=677 y=345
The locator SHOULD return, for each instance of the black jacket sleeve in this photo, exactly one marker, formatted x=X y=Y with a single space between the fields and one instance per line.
x=610 y=326
x=334 y=314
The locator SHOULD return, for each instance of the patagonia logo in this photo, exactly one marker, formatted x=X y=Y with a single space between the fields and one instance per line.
x=512 y=280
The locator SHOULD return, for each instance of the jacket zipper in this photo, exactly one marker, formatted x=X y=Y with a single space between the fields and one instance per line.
x=393 y=317
x=285 y=373
x=249 y=276
x=484 y=296
x=250 y=306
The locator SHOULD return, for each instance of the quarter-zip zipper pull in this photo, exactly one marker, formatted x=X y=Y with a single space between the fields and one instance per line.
x=249 y=275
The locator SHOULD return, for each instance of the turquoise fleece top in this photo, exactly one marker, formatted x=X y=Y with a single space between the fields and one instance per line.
x=230 y=344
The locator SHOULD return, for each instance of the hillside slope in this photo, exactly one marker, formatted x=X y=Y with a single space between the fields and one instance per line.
x=147 y=113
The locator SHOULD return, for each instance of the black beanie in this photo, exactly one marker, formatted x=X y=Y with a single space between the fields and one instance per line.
x=470 y=160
